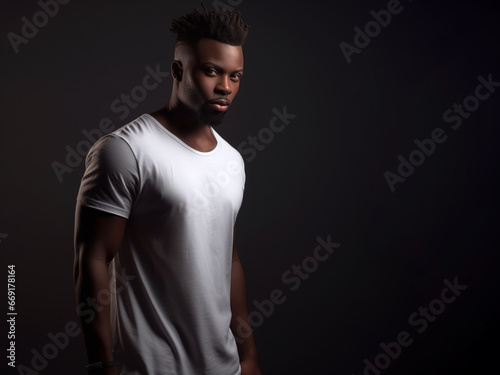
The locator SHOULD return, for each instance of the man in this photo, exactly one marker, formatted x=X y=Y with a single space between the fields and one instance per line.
x=157 y=206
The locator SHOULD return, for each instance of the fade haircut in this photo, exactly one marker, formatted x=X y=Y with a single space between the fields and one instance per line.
x=221 y=25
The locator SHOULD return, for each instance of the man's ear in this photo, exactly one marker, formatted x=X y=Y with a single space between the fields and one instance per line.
x=177 y=70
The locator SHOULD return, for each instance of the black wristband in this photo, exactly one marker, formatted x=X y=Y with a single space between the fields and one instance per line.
x=100 y=365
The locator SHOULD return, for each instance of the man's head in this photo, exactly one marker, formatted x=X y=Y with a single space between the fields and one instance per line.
x=208 y=63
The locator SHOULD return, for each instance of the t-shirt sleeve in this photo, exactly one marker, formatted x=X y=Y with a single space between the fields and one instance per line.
x=111 y=179
x=243 y=174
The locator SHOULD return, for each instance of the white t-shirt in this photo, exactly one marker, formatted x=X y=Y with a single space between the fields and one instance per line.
x=173 y=317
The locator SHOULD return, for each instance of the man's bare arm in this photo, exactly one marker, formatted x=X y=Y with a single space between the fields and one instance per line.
x=97 y=238
x=240 y=324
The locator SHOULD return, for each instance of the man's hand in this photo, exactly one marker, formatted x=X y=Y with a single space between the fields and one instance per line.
x=250 y=367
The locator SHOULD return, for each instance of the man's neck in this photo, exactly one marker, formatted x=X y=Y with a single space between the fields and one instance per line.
x=184 y=125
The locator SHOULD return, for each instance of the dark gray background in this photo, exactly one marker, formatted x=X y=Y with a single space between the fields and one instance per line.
x=322 y=175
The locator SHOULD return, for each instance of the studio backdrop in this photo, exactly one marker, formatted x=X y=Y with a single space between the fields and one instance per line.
x=370 y=134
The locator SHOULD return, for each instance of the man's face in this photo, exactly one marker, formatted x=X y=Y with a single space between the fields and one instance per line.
x=210 y=79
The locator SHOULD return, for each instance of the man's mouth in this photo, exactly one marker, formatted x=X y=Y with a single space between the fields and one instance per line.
x=220 y=105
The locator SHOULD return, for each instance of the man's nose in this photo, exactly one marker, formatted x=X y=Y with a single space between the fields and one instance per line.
x=223 y=85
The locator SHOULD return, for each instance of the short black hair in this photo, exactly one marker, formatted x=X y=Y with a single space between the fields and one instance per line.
x=224 y=26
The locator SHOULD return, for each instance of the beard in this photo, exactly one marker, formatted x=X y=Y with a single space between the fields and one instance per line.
x=203 y=115
x=210 y=116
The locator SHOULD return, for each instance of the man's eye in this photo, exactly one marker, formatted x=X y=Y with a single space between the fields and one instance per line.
x=211 y=71
x=236 y=77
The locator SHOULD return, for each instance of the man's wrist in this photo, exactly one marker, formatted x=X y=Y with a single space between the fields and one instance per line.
x=249 y=354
